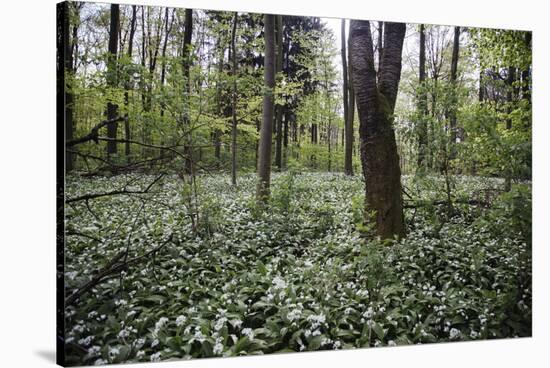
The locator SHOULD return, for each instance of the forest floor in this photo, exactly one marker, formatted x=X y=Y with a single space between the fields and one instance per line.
x=302 y=275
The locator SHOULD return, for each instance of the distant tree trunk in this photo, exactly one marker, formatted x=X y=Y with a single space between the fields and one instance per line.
x=376 y=103
x=218 y=132
x=167 y=30
x=264 y=150
x=348 y=130
x=128 y=84
x=234 y=103
x=67 y=66
x=454 y=97
x=510 y=99
x=187 y=35
x=279 y=108
x=112 y=76
x=422 y=125
x=481 y=87
x=525 y=79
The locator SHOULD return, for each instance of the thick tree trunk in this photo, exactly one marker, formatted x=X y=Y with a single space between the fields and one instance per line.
x=279 y=108
x=112 y=109
x=348 y=132
x=351 y=106
x=422 y=125
x=264 y=149
x=67 y=65
x=234 y=103
x=376 y=102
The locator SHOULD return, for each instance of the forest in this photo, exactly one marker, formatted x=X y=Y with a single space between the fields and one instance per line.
x=240 y=183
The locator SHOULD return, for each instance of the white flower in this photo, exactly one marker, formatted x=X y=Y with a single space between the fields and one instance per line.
x=248 y=332
x=218 y=348
x=86 y=341
x=113 y=352
x=391 y=343
x=94 y=350
x=236 y=323
x=220 y=323
x=180 y=320
x=154 y=343
x=140 y=354
x=100 y=362
x=155 y=357
x=336 y=344
x=279 y=283
x=198 y=335
x=454 y=333
x=294 y=315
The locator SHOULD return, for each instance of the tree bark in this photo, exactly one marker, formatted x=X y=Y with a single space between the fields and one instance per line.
x=348 y=132
x=66 y=73
x=264 y=149
x=454 y=97
x=376 y=103
x=128 y=84
x=186 y=56
x=112 y=109
x=234 y=103
x=422 y=125
x=279 y=107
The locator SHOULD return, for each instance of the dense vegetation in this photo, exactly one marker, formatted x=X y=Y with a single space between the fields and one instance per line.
x=301 y=277
x=241 y=183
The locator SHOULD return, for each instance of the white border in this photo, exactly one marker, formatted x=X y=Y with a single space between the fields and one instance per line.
x=27 y=184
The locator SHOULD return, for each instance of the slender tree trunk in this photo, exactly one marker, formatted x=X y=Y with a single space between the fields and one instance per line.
x=454 y=97
x=234 y=103
x=112 y=109
x=376 y=103
x=279 y=107
x=264 y=150
x=186 y=55
x=348 y=130
x=422 y=105
x=525 y=78
x=128 y=84
x=510 y=99
x=67 y=72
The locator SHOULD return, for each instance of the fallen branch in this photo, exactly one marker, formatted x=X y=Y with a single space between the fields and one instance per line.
x=87 y=197
x=114 y=266
x=416 y=204
x=94 y=134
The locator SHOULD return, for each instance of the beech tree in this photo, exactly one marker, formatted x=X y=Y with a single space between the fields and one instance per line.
x=376 y=103
x=348 y=107
x=266 y=130
x=112 y=109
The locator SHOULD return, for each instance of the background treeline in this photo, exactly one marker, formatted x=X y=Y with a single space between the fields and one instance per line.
x=186 y=86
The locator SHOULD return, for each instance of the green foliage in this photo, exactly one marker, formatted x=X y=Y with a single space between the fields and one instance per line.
x=300 y=276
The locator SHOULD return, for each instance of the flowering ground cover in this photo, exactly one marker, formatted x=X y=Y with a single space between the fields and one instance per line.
x=214 y=275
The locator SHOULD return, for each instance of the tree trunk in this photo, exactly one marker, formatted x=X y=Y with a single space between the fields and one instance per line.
x=66 y=72
x=264 y=150
x=112 y=76
x=422 y=125
x=128 y=85
x=348 y=132
x=454 y=97
x=186 y=55
x=376 y=103
x=279 y=107
x=351 y=106
x=510 y=99
x=234 y=103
